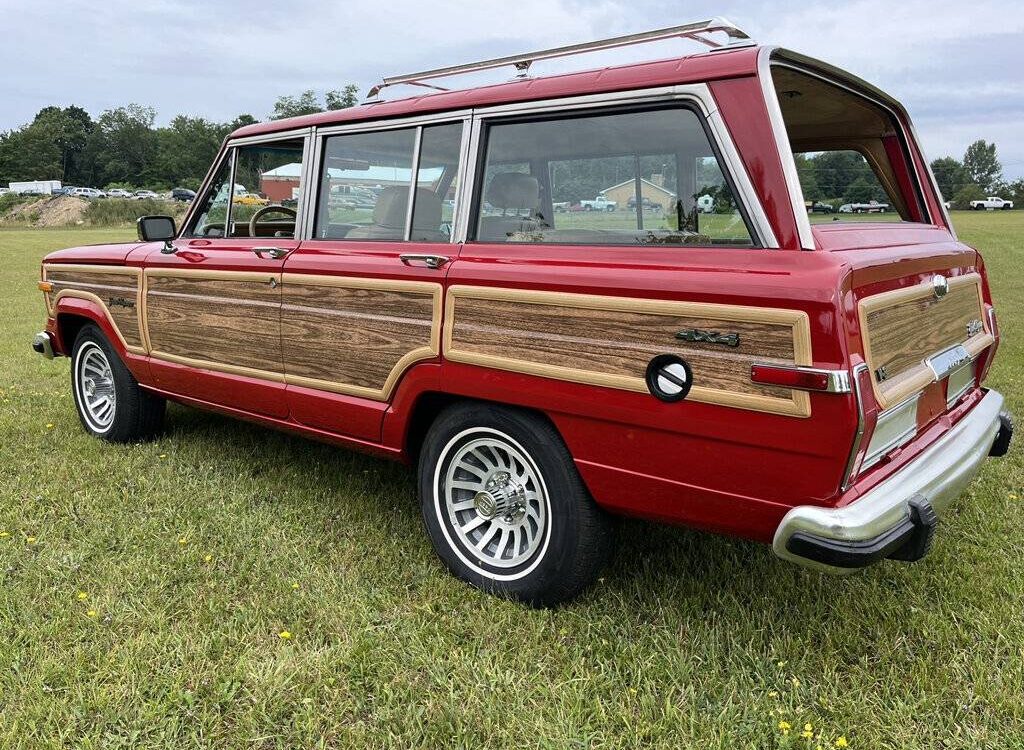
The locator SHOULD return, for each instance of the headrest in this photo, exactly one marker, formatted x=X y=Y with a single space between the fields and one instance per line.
x=392 y=203
x=513 y=190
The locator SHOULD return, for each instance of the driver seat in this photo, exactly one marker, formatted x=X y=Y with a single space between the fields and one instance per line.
x=389 y=215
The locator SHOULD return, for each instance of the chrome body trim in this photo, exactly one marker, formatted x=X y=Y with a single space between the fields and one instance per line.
x=414 y=178
x=851 y=463
x=948 y=360
x=397 y=123
x=838 y=380
x=939 y=474
x=895 y=428
x=463 y=188
x=960 y=381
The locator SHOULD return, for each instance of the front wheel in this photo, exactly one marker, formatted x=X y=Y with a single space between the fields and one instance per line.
x=505 y=507
x=110 y=403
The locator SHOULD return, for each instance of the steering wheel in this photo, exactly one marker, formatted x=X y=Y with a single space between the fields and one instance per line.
x=260 y=212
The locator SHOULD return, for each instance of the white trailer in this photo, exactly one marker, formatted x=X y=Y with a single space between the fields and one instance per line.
x=35 y=187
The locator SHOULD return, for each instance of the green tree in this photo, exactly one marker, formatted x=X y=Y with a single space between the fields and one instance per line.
x=862 y=190
x=305 y=103
x=836 y=171
x=1015 y=192
x=124 y=145
x=808 y=178
x=982 y=166
x=343 y=99
x=185 y=149
x=963 y=197
x=950 y=175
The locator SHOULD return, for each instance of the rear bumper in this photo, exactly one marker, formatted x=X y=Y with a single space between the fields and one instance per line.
x=897 y=518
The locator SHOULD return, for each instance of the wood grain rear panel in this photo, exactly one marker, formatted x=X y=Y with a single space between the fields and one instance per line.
x=230 y=320
x=904 y=327
x=608 y=341
x=116 y=289
x=354 y=335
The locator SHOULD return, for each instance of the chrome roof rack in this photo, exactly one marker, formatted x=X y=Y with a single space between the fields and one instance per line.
x=698 y=31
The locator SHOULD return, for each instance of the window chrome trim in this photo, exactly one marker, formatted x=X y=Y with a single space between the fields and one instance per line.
x=464 y=175
x=778 y=126
x=281 y=135
x=749 y=202
x=305 y=175
x=366 y=126
x=414 y=179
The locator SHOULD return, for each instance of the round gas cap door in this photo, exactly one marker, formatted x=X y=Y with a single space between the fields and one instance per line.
x=669 y=377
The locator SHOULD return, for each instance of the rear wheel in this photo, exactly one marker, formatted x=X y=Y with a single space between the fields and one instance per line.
x=505 y=507
x=110 y=403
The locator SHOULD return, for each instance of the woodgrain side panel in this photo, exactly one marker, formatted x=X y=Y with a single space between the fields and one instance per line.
x=229 y=320
x=609 y=341
x=356 y=336
x=117 y=289
x=904 y=327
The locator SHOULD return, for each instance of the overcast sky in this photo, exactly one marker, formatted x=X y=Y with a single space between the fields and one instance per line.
x=958 y=66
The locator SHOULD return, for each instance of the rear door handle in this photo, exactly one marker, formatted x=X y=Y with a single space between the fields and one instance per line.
x=430 y=261
x=274 y=252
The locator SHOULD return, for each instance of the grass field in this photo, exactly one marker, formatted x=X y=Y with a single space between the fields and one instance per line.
x=145 y=590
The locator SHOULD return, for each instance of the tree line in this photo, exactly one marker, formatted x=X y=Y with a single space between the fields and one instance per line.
x=123 y=147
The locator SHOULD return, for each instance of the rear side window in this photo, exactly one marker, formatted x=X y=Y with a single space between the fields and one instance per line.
x=366 y=183
x=851 y=155
x=646 y=177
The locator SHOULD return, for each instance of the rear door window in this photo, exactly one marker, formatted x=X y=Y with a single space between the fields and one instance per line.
x=648 y=177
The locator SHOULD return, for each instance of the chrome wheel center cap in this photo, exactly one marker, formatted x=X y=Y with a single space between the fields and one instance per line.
x=501 y=498
x=90 y=387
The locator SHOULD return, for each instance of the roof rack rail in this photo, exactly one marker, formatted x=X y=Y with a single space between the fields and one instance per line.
x=698 y=31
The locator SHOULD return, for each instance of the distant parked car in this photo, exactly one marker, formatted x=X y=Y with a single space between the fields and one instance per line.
x=141 y=195
x=87 y=193
x=66 y=190
x=991 y=203
x=5 y=191
x=118 y=193
x=600 y=203
x=647 y=203
x=817 y=207
x=874 y=207
x=183 y=194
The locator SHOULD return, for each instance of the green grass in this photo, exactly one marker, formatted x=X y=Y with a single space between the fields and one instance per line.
x=197 y=550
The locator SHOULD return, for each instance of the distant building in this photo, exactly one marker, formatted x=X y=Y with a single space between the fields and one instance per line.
x=654 y=193
x=282 y=183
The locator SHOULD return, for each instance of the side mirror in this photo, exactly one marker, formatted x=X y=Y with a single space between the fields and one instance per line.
x=156 y=228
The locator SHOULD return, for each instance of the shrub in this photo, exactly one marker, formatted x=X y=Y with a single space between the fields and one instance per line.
x=117 y=211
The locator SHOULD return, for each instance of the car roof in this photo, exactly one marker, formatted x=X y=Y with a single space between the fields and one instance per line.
x=697 y=68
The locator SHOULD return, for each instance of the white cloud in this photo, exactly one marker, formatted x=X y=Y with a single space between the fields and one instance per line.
x=955 y=64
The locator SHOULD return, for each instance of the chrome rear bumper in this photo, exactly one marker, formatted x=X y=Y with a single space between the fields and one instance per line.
x=898 y=512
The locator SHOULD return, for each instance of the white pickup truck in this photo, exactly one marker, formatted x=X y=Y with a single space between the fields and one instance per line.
x=992 y=202
x=600 y=203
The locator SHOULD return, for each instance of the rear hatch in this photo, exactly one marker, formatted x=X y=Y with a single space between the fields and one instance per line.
x=918 y=321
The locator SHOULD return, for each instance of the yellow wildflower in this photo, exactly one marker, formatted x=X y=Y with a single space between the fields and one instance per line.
x=295 y=586
x=163 y=455
x=30 y=539
x=773 y=693
x=284 y=634
x=808 y=727
x=807 y=735
x=795 y=681
x=784 y=727
x=841 y=742
x=91 y=613
x=183 y=540
x=49 y=425
x=82 y=596
x=4 y=534
x=208 y=558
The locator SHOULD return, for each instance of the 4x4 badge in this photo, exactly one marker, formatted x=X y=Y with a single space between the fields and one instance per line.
x=709 y=337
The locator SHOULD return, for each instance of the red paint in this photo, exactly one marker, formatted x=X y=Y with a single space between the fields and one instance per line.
x=723 y=469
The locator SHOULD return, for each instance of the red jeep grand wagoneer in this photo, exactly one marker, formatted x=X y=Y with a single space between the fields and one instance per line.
x=572 y=297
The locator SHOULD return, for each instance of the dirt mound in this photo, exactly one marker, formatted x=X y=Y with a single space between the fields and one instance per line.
x=60 y=211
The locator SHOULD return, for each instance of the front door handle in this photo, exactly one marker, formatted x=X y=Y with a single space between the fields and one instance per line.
x=430 y=261
x=274 y=252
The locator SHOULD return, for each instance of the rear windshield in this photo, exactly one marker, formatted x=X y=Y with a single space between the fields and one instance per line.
x=850 y=153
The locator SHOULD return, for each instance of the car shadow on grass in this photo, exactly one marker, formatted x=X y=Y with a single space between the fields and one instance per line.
x=654 y=565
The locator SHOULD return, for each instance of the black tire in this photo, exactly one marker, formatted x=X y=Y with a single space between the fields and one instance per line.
x=571 y=537
x=134 y=414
